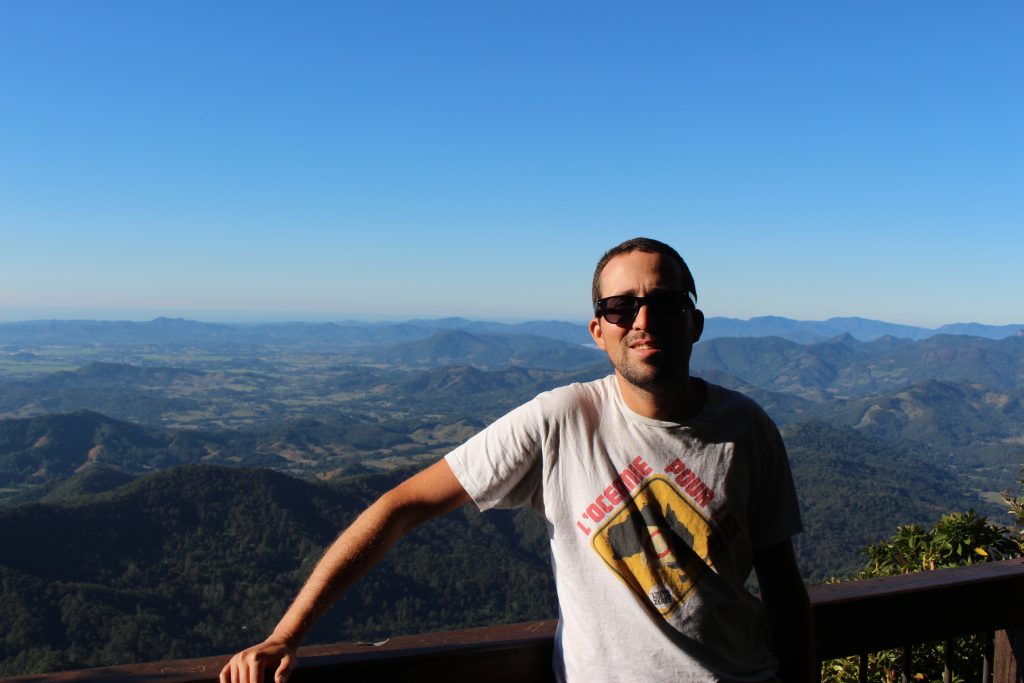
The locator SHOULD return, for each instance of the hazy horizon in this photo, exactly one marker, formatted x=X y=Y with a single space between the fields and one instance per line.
x=272 y=317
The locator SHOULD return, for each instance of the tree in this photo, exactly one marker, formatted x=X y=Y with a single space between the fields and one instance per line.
x=1016 y=503
x=957 y=539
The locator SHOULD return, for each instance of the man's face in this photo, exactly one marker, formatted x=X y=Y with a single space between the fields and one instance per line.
x=653 y=350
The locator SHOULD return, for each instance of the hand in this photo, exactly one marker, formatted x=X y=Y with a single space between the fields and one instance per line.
x=248 y=666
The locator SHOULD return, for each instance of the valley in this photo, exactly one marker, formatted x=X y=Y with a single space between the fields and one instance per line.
x=162 y=483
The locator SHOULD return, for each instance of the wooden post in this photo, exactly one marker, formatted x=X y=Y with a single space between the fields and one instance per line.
x=1008 y=666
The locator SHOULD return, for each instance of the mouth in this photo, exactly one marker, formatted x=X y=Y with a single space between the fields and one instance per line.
x=644 y=345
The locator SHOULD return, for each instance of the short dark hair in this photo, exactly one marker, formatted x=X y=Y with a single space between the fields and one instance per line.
x=647 y=245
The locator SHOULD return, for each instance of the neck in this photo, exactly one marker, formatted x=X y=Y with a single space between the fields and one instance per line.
x=678 y=402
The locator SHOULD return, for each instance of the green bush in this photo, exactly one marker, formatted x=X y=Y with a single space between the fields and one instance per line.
x=957 y=539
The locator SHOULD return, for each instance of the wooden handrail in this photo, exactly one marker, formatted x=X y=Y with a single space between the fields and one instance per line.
x=512 y=652
x=850 y=617
x=886 y=612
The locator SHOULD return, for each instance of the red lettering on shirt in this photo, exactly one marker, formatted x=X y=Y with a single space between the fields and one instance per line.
x=688 y=480
x=694 y=487
x=675 y=467
x=641 y=466
x=612 y=495
x=616 y=492
x=705 y=496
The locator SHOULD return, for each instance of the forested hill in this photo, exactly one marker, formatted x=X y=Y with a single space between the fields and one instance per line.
x=844 y=367
x=201 y=560
x=126 y=537
x=854 y=489
x=53 y=447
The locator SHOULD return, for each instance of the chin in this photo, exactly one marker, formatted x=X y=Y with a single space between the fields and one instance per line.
x=648 y=377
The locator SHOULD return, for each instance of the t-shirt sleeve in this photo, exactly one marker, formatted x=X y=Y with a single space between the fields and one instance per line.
x=775 y=514
x=501 y=465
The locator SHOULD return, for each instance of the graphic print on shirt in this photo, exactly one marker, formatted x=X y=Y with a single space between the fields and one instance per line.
x=659 y=545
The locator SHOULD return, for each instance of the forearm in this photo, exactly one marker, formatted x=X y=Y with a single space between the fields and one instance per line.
x=352 y=555
x=433 y=492
x=792 y=630
x=788 y=609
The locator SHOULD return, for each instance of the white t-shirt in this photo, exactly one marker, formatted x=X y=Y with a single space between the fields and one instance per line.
x=652 y=527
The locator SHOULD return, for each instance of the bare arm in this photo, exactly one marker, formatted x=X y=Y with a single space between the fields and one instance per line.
x=433 y=492
x=789 y=612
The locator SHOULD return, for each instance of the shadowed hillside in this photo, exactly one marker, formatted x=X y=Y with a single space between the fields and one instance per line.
x=854 y=489
x=201 y=560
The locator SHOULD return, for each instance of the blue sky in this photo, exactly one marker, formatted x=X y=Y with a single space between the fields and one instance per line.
x=316 y=160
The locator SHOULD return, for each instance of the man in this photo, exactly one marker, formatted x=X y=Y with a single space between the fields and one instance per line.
x=660 y=493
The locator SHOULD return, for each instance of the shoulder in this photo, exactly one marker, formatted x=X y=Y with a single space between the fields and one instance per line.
x=578 y=395
x=572 y=399
x=726 y=406
x=727 y=400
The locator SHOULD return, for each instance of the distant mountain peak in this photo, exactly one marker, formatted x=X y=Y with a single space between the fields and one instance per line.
x=845 y=339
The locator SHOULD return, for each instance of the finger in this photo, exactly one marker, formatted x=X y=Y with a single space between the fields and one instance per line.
x=284 y=669
x=235 y=677
x=225 y=673
x=255 y=670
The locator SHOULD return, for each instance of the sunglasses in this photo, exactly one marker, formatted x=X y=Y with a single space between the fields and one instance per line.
x=623 y=309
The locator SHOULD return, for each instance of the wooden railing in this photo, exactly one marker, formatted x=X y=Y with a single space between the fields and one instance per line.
x=859 y=617
x=851 y=618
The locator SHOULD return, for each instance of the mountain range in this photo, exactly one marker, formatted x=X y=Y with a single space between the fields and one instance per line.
x=862 y=329
x=177 y=332
x=89 y=453
x=844 y=367
x=165 y=486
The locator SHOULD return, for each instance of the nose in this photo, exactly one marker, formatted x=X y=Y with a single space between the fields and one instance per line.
x=640 y=321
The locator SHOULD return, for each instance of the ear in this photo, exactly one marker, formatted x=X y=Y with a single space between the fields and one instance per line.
x=698 y=324
x=597 y=334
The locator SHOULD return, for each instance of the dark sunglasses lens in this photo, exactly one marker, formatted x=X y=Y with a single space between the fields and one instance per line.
x=623 y=309
x=670 y=302
x=620 y=308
